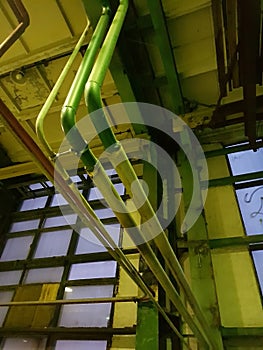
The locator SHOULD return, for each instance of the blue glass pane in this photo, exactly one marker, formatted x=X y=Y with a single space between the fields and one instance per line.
x=251 y=206
x=24 y=225
x=246 y=162
x=86 y=315
x=33 y=203
x=88 y=243
x=44 y=275
x=258 y=261
x=53 y=243
x=16 y=248
x=81 y=345
x=4 y=297
x=100 y=269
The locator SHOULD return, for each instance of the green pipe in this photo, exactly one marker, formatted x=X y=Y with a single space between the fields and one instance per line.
x=102 y=181
x=125 y=170
x=97 y=76
x=68 y=114
x=93 y=99
x=44 y=110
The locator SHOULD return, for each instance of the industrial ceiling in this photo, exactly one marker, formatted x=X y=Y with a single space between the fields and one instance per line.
x=200 y=59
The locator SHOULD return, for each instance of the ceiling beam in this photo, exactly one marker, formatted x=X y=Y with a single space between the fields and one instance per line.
x=249 y=36
x=166 y=51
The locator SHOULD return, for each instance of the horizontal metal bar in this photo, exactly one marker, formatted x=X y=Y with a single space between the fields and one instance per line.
x=244 y=241
x=228 y=150
x=68 y=332
x=72 y=301
x=242 y=331
x=230 y=180
x=60 y=260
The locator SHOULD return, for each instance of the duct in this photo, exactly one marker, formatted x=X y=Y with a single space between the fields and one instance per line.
x=23 y=19
x=93 y=99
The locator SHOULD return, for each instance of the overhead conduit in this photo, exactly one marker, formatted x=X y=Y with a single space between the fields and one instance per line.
x=68 y=189
x=128 y=176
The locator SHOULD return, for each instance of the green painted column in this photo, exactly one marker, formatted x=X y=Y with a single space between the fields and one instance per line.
x=201 y=269
x=147 y=327
x=147 y=333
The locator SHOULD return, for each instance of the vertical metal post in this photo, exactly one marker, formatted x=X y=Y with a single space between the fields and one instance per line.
x=147 y=327
x=201 y=270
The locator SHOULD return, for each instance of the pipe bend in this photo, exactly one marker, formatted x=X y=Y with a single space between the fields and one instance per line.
x=94 y=104
x=93 y=96
x=68 y=118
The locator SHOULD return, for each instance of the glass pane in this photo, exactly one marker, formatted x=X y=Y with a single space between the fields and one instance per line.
x=33 y=203
x=24 y=344
x=120 y=188
x=81 y=345
x=57 y=200
x=16 y=248
x=251 y=207
x=89 y=315
x=75 y=178
x=88 y=243
x=50 y=274
x=246 y=161
x=53 y=243
x=10 y=277
x=99 y=269
x=24 y=225
x=111 y=172
x=258 y=261
x=104 y=213
x=95 y=194
x=36 y=186
x=85 y=292
x=61 y=220
x=4 y=297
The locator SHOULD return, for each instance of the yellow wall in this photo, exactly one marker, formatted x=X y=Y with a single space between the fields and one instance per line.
x=237 y=288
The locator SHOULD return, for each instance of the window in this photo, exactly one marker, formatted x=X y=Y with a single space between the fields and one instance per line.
x=16 y=248
x=24 y=225
x=53 y=243
x=89 y=315
x=24 y=344
x=33 y=203
x=81 y=345
x=44 y=275
x=60 y=272
x=250 y=199
x=5 y=296
x=101 y=269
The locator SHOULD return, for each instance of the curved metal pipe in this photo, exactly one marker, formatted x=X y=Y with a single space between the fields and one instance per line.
x=78 y=202
x=44 y=110
x=23 y=19
x=93 y=100
x=125 y=169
